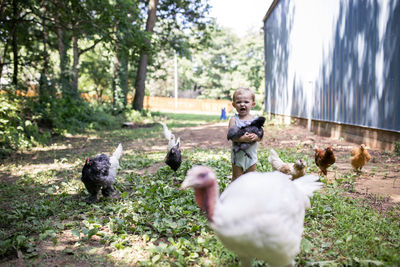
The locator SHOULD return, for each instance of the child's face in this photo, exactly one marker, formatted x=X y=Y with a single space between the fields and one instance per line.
x=243 y=103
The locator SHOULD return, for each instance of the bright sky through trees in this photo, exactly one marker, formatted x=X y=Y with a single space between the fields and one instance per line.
x=240 y=15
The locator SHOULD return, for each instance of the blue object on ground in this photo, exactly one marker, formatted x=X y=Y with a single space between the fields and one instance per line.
x=223 y=114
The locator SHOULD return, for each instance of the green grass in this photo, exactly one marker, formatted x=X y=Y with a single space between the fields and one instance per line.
x=156 y=224
x=193 y=118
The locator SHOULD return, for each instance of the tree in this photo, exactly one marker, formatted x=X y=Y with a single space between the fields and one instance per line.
x=224 y=63
x=14 y=26
x=96 y=73
x=142 y=69
x=179 y=21
x=127 y=38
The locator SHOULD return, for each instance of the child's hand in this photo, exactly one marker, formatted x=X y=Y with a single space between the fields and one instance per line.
x=249 y=137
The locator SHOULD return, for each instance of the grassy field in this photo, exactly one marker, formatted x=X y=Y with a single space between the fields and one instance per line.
x=44 y=220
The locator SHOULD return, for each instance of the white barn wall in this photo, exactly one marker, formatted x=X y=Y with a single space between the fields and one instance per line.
x=336 y=60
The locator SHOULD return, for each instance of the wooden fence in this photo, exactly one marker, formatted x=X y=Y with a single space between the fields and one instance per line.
x=167 y=104
x=187 y=105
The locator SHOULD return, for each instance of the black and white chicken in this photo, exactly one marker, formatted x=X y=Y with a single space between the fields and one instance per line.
x=173 y=158
x=259 y=215
x=99 y=173
x=235 y=132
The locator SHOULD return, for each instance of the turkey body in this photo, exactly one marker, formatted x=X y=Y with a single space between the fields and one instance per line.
x=260 y=215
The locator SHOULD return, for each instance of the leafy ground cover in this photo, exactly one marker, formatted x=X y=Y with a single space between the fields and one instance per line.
x=45 y=221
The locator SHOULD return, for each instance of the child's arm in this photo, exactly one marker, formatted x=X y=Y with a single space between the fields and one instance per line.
x=232 y=123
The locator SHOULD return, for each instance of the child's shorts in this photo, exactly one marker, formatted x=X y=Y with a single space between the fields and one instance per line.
x=244 y=161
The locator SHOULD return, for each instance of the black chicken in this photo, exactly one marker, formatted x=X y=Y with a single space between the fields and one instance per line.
x=236 y=132
x=99 y=173
x=173 y=158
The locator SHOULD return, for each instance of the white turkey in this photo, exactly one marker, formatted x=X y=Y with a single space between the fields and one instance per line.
x=259 y=215
x=173 y=158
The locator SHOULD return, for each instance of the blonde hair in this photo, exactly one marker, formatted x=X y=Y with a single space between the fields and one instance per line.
x=244 y=90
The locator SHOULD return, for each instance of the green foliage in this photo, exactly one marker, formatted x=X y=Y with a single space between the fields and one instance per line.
x=215 y=69
x=17 y=131
x=28 y=122
x=190 y=119
x=397 y=148
x=136 y=116
x=71 y=115
x=96 y=74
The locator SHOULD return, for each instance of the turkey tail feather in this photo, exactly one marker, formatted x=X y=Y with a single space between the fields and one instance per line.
x=308 y=184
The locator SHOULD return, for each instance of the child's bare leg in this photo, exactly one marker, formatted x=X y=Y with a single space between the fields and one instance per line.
x=252 y=168
x=236 y=172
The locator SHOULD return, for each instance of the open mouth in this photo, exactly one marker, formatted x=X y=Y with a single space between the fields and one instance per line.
x=242 y=109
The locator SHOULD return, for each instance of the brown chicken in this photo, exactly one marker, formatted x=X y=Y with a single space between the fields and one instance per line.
x=324 y=159
x=296 y=169
x=359 y=157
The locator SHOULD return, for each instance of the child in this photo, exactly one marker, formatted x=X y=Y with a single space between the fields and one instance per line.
x=243 y=102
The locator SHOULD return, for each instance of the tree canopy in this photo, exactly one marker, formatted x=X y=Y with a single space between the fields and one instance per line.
x=114 y=51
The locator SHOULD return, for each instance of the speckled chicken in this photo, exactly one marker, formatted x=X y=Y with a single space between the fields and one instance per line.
x=99 y=173
x=296 y=169
x=259 y=215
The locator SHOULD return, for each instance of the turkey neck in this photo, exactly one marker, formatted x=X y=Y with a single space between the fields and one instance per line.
x=206 y=198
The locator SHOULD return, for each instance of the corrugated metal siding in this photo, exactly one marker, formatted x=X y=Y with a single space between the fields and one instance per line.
x=337 y=59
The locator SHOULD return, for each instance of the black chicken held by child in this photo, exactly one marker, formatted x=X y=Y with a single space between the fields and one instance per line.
x=235 y=132
x=99 y=173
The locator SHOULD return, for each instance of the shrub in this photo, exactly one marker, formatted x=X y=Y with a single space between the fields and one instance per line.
x=71 y=115
x=16 y=130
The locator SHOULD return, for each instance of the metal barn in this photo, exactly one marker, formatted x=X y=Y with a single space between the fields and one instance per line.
x=337 y=64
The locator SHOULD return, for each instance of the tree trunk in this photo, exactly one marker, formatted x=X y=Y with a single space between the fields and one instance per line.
x=62 y=42
x=142 y=68
x=15 y=43
x=3 y=59
x=43 y=82
x=116 y=67
x=75 y=63
x=115 y=78
x=140 y=83
x=123 y=77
